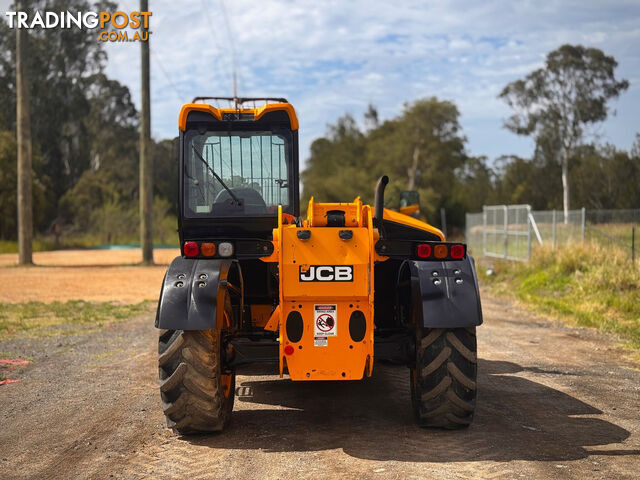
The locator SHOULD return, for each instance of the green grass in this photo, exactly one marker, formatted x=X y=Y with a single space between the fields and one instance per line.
x=591 y=285
x=618 y=233
x=62 y=318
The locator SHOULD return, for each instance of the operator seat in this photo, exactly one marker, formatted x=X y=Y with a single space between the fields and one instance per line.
x=253 y=203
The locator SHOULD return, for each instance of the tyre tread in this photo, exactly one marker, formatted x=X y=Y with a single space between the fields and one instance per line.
x=444 y=381
x=192 y=397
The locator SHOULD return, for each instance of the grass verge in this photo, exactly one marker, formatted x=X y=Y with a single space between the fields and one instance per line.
x=592 y=286
x=63 y=318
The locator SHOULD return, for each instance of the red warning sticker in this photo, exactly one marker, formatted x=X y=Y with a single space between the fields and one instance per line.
x=325 y=320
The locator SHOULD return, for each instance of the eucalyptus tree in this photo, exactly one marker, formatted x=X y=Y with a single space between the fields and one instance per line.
x=555 y=103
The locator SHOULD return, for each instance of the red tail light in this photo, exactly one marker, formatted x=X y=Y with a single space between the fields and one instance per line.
x=423 y=251
x=457 y=251
x=288 y=350
x=191 y=249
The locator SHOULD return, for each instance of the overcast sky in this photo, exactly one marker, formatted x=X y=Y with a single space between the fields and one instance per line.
x=329 y=57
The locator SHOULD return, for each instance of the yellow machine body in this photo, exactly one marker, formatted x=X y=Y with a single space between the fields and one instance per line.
x=319 y=297
x=340 y=284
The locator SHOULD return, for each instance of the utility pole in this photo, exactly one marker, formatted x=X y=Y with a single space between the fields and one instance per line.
x=23 y=120
x=146 y=169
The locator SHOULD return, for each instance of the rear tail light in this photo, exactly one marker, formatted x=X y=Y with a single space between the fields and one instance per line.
x=191 y=249
x=225 y=249
x=457 y=251
x=208 y=249
x=423 y=251
x=440 y=251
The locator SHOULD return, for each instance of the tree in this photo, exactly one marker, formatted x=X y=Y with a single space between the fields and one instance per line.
x=521 y=180
x=334 y=171
x=371 y=117
x=60 y=62
x=605 y=177
x=419 y=150
x=474 y=185
x=555 y=103
x=635 y=148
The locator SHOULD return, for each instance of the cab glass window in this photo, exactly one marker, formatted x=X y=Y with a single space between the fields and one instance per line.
x=236 y=173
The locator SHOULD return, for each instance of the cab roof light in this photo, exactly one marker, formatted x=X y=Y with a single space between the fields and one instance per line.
x=191 y=249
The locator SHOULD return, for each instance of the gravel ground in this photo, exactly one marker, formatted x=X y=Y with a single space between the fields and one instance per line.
x=554 y=402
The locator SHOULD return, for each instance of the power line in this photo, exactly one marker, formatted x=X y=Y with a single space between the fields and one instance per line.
x=156 y=57
x=212 y=31
x=233 y=48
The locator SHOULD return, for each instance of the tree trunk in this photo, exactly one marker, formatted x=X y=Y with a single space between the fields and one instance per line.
x=565 y=185
x=413 y=171
x=23 y=120
x=146 y=169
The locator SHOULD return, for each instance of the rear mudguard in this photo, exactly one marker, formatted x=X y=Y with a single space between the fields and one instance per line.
x=445 y=294
x=189 y=293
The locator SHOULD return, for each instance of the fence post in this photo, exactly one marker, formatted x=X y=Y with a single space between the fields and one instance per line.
x=584 y=221
x=506 y=231
x=528 y=232
x=553 y=229
x=466 y=227
x=484 y=231
x=517 y=224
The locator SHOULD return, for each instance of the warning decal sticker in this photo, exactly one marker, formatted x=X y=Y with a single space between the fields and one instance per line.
x=325 y=320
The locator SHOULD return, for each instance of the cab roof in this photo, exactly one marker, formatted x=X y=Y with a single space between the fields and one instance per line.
x=238 y=112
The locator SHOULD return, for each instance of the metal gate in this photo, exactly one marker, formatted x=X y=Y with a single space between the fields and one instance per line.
x=507 y=231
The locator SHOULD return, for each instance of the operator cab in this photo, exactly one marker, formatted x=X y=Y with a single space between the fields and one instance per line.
x=237 y=165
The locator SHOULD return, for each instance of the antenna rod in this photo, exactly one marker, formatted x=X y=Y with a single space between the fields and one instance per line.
x=233 y=54
x=235 y=86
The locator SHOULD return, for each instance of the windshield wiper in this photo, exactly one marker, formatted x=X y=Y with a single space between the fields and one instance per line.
x=236 y=200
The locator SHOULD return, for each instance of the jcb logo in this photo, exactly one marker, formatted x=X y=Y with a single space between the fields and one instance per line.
x=327 y=273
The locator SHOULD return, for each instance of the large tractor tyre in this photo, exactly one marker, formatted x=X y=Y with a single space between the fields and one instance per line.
x=443 y=384
x=197 y=395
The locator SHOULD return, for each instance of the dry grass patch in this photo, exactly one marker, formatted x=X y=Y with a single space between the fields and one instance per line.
x=592 y=285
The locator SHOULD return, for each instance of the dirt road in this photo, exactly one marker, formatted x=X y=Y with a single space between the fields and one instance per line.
x=90 y=275
x=554 y=402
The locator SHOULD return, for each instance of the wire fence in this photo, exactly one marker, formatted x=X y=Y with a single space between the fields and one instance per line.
x=513 y=231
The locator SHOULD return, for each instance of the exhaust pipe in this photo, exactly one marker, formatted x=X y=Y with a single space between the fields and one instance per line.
x=378 y=202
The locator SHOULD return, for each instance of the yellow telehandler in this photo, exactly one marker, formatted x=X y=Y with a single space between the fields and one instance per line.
x=321 y=298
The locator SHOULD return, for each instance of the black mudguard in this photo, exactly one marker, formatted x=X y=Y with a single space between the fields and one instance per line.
x=452 y=302
x=189 y=295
